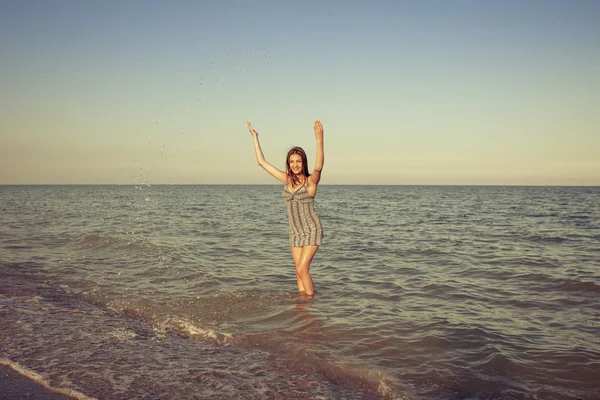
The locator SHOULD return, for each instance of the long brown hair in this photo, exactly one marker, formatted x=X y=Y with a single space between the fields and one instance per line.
x=291 y=175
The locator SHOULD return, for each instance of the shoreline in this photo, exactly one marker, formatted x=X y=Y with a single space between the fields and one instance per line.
x=18 y=382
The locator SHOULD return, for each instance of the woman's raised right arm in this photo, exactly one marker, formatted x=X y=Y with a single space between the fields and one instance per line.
x=260 y=158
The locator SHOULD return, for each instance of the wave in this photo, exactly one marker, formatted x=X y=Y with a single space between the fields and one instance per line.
x=288 y=332
x=170 y=316
x=150 y=256
x=191 y=330
x=430 y=341
x=568 y=285
x=99 y=242
x=549 y=239
x=115 y=356
x=277 y=322
x=438 y=288
x=495 y=360
x=559 y=284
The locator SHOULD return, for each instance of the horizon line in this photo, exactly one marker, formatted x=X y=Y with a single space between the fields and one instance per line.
x=278 y=184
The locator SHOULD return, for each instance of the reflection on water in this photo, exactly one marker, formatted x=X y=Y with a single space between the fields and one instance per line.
x=310 y=325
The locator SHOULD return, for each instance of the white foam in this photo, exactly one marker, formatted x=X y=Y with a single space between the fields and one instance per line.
x=193 y=330
x=120 y=335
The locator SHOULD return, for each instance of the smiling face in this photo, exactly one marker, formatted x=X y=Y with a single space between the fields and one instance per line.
x=295 y=163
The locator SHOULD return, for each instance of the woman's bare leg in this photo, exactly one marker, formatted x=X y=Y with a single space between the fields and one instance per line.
x=302 y=267
x=296 y=252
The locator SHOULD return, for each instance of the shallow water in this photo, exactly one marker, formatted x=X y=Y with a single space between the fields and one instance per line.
x=423 y=292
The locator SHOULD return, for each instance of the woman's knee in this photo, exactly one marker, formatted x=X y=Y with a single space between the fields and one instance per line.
x=301 y=270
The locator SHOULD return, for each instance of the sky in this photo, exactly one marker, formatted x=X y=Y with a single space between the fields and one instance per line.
x=409 y=92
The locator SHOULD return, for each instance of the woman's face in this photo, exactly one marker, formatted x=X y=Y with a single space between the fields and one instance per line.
x=295 y=162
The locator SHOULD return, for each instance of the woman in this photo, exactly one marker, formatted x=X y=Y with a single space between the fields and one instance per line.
x=300 y=188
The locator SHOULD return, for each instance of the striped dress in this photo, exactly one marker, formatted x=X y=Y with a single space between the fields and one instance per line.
x=305 y=225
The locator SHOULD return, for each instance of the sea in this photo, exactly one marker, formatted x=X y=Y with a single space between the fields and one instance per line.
x=189 y=292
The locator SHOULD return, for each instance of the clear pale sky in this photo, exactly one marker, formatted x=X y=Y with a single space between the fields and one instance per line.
x=409 y=92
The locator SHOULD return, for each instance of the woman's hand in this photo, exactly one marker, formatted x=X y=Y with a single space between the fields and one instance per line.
x=252 y=131
x=318 y=130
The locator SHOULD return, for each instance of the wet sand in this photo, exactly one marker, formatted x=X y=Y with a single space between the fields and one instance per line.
x=14 y=386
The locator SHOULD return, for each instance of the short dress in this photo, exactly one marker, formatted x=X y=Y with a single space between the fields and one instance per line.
x=305 y=225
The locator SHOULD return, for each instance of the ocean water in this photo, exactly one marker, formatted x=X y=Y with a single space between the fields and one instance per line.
x=422 y=292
